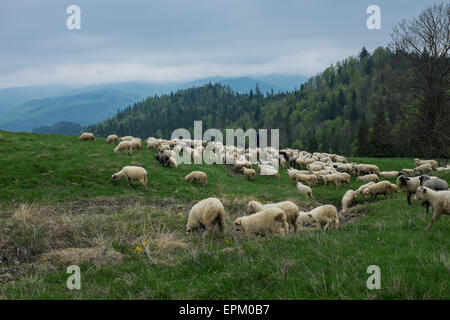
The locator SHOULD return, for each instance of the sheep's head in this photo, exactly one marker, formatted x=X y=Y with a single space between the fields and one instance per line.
x=420 y=193
x=402 y=181
x=252 y=206
x=238 y=225
x=114 y=177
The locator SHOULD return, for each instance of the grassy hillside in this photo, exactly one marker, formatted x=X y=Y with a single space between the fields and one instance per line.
x=56 y=194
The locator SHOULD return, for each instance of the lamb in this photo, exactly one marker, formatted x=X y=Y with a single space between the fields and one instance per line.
x=433 y=183
x=383 y=187
x=132 y=173
x=112 y=139
x=305 y=190
x=85 y=136
x=288 y=207
x=269 y=220
x=432 y=163
x=348 y=199
x=361 y=189
x=389 y=174
x=197 y=176
x=440 y=200
x=124 y=145
x=422 y=169
x=250 y=173
x=408 y=186
x=324 y=214
x=368 y=178
x=206 y=214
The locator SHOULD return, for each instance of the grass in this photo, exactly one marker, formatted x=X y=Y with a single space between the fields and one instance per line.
x=56 y=194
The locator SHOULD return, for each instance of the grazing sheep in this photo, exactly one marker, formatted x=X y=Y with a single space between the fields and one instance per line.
x=250 y=173
x=136 y=144
x=197 y=176
x=172 y=162
x=363 y=169
x=132 y=173
x=344 y=177
x=309 y=179
x=332 y=178
x=124 y=145
x=348 y=199
x=126 y=138
x=288 y=207
x=408 y=186
x=269 y=220
x=206 y=214
x=361 y=189
x=368 y=178
x=268 y=170
x=440 y=200
x=422 y=169
x=406 y=172
x=432 y=163
x=384 y=187
x=304 y=189
x=324 y=214
x=433 y=183
x=389 y=174
x=162 y=158
x=112 y=139
x=85 y=136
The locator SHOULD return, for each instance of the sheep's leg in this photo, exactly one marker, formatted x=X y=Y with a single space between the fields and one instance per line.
x=129 y=181
x=435 y=216
x=427 y=205
x=328 y=220
x=408 y=197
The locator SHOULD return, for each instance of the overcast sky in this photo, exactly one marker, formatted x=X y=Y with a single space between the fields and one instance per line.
x=178 y=40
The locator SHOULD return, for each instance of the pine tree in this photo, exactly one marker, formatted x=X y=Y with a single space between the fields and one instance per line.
x=362 y=138
x=380 y=136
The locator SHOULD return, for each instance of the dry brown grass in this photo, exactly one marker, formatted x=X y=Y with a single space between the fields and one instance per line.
x=98 y=256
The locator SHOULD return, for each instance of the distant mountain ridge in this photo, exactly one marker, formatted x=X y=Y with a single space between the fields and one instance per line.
x=23 y=109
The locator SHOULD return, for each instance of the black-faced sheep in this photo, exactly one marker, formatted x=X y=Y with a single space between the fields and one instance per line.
x=162 y=158
x=132 y=173
x=269 y=220
x=408 y=186
x=439 y=200
x=205 y=215
x=197 y=176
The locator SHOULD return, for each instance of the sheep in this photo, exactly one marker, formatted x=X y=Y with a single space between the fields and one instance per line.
x=363 y=169
x=344 y=177
x=305 y=190
x=132 y=173
x=406 y=172
x=162 y=158
x=288 y=207
x=368 y=178
x=126 y=138
x=333 y=178
x=389 y=174
x=324 y=214
x=206 y=214
x=422 y=169
x=250 y=173
x=85 y=136
x=124 y=145
x=112 y=139
x=273 y=220
x=309 y=179
x=136 y=144
x=433 y=183
x=172 y=162
x=198 y=176
x=268 y=170
x=348 y=198
x=440 y=200
x=432 y=163
x=408 y=186
x=361 y=189
x=383 y=187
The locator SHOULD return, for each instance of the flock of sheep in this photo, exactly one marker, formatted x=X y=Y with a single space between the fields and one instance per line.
x=306 y=170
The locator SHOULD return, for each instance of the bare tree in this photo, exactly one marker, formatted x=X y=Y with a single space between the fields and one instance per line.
x=424 y=42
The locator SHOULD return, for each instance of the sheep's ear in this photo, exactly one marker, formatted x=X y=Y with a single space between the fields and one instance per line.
x=310 y=215
x=424 y=190
x=279 y=217
x=238 y=223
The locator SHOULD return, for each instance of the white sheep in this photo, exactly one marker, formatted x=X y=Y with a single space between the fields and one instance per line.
x=273 y=220
x=432 y=163
x=326 y=214
x=368 y=178
x=112 y=139
x=132 y=173
x=124 y=145
x=197 y=176
x=205 y=215
x=173 y=162
x=304 y=189
x=136 y=144
x=250 y=173
x=348 y=199
x=384 y=187
x=288 y=207
x=85 y=136
x=440 y=200
x=361 y=189
x=389 y=174
x=423 y=169
x=126 y=138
